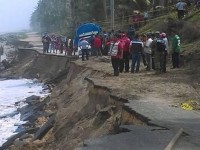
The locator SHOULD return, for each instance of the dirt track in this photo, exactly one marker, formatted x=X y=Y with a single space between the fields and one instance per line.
x=173 y=87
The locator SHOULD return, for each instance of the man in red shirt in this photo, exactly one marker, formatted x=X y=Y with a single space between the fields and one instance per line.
x=116 y=52
x=97 y=45
x=125 y=60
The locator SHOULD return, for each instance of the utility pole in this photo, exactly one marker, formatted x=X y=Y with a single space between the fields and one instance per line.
x=112 y=7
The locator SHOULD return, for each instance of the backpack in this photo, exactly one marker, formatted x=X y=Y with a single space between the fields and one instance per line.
x=114 y=49
x=160 y=45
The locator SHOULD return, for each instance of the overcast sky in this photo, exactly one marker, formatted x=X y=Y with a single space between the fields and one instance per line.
x=15 y=14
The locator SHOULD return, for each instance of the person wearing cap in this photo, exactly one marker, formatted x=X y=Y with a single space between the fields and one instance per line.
x=159 y=51
x=84 y=46
x=124 y=62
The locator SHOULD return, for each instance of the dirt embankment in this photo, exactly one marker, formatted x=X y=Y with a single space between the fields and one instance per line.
x=89 y=102
x=83 y=110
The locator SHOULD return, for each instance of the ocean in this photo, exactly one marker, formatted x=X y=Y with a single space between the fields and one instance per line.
x=12 y=91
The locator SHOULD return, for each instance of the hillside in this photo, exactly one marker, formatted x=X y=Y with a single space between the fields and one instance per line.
x=187 y=29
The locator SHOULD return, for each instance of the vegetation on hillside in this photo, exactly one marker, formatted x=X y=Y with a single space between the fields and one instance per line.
x=65 y=15
x=188 y=28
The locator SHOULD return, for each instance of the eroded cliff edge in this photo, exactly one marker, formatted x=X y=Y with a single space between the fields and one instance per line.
x=90 y=103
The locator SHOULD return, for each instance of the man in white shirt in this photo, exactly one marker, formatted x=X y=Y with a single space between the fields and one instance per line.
x=148 y=53
x=84 y=46
x=180 y=6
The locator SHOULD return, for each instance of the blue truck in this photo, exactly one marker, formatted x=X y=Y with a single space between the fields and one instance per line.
x=86 y=30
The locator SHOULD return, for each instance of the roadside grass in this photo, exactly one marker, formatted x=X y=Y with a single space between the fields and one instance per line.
x=157 y=24
x=194 y=17
x=188 y=30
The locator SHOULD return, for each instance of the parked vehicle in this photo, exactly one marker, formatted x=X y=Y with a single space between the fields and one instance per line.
x=88 y=31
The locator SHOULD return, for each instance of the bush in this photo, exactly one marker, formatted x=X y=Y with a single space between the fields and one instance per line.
x=190 y=32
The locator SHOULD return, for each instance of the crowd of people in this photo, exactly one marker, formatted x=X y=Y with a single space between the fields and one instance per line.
x=124 y=47
x=151 y=48
x=57 y=44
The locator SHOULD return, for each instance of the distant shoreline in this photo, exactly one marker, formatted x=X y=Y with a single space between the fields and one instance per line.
x=13 y=32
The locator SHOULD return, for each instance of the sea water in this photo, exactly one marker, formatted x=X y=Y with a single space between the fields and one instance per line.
x=12 y=91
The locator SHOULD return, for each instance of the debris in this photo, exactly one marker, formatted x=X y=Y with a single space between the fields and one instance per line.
x=174 y=139
x=190 y=105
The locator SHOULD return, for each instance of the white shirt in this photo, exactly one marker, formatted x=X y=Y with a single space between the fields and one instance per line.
x=147 y=48
x=180 y=5
x=167 y=44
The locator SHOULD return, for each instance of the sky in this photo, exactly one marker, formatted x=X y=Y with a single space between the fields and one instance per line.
x=15 y=14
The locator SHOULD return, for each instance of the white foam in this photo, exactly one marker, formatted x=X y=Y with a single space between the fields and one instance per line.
x=12 y=91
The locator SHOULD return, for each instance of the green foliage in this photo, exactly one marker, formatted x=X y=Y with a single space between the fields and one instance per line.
x=50 y=15
x=63 y=16
x=194 y=17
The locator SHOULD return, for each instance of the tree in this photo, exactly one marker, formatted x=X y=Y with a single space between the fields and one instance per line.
x=65 y=15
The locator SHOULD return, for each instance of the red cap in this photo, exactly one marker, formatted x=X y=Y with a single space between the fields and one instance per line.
x=163 y=35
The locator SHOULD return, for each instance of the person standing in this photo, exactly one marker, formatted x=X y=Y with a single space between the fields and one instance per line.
x=136 y=48
x=164 y=36
x=180 y=6
x=125 y=60
x=153 y=46
x=53 y=43
x=46 y=41
x=144 y=39
x=116 y=53
x=131 y=32
x=148 y=53
x=84 y=46
x=159 y=54
x=197 y=4
x=176 y=48
x=97 y=45
x=70 y=46
x=91 y=42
